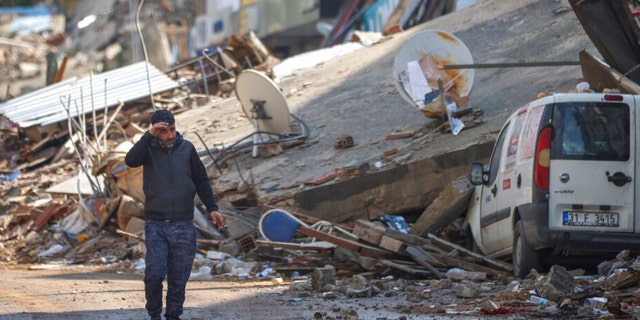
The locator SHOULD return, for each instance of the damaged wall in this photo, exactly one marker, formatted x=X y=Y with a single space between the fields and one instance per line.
x=405 y=188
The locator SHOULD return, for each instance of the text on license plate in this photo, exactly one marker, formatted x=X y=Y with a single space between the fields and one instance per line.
x=590 y=219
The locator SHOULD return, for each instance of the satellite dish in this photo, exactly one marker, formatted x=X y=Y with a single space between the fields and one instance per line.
x=263 y=103
x=441 y=48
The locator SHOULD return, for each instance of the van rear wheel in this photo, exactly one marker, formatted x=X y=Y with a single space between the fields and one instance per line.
x=524 y=257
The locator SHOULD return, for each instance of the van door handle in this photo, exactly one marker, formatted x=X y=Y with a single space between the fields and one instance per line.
x=618 y=178
x=494 y=190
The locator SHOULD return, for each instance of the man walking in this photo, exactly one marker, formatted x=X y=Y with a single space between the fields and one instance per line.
x=172 y=175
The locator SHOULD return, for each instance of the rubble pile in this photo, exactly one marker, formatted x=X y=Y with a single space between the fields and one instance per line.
x=24 y=57
x=561 y=293
x=433 y=275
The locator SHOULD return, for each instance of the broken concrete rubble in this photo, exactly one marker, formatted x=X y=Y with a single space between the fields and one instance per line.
x=556 y=284
x=450 y=204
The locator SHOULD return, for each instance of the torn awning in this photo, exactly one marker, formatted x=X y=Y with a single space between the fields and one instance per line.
x=48 y=105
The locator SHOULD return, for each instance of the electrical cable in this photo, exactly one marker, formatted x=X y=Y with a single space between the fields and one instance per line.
x=144 y=50
x=206 y=148
x=283 y=138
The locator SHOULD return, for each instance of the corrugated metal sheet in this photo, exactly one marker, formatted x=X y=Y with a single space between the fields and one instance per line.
x=47 y=105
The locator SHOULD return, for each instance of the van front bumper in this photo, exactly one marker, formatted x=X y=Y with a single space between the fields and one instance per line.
x=538 y=235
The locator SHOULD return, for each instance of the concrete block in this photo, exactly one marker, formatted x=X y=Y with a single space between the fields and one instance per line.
x=231 y=247
x=450 y=204
x=557 y=284
x=323 y=276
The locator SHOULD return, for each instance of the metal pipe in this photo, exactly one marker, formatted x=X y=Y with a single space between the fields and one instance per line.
x=204 y=79
x=510 y=65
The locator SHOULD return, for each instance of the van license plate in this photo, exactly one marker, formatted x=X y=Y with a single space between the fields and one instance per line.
x=589 y=219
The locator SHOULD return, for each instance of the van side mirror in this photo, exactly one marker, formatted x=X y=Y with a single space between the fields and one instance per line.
x=477 y=174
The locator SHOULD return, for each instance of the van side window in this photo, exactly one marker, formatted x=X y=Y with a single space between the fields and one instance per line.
x=591 y=131
x=494 y=166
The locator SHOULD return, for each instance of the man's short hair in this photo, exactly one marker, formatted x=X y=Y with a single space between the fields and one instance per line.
x=162 y=115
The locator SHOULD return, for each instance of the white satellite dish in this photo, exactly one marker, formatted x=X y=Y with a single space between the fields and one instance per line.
x=263 y=103
x=442 y=48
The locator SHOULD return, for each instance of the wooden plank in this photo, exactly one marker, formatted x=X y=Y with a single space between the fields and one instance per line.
x=360 y=248
x=368 y=231
x=459 y=263
x=434 y=248
x=405 y=268
x=322 y=247
x=399 y=135
x=130 y=235
x=499 y=264
x=431 y=259
x=421 y=257
x=392 y=244
x=110 y=214
x=405 y=237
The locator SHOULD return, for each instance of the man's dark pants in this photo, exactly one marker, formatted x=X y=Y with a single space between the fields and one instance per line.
x=171 y=248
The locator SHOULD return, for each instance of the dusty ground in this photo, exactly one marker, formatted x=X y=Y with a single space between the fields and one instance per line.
x=83 y=293
x=98 y=293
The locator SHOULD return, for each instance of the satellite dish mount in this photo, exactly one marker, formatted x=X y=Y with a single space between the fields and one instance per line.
x=258 y=113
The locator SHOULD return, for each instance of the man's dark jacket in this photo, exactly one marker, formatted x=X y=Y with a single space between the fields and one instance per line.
x=171 y=178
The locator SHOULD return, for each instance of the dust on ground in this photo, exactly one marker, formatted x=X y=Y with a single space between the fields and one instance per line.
x=90 y=292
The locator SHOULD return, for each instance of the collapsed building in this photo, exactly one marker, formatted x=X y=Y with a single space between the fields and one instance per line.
x=354 y=205
x=78 y=126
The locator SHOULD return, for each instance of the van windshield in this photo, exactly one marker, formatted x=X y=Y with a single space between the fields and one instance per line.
x=591 y=131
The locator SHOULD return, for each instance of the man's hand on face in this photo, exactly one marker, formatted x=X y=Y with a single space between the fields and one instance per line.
x=158 y=128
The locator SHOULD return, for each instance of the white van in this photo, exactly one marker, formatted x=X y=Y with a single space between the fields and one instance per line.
x=560 y=182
